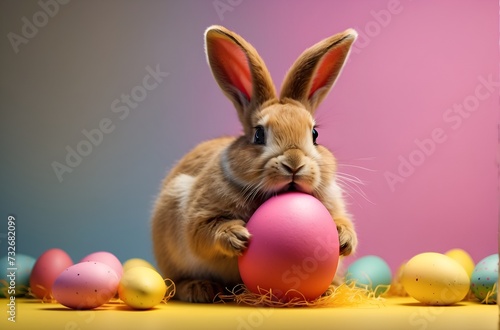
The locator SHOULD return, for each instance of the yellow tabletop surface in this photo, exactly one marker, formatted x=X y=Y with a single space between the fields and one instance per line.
x=389 y=313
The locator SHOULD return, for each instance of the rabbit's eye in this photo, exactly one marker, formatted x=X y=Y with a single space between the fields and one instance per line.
x=315 y=135
x=260 y=136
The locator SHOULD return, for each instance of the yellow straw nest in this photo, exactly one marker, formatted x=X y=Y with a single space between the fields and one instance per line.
x=343 y=295
x=170 y=290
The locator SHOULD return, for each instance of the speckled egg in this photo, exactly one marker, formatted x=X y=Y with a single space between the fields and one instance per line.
x=435 y=279
x=85 y=285
x=141 y=287
x=483 y=279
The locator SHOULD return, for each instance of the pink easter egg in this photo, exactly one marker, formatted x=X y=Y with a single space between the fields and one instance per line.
x=294 y=248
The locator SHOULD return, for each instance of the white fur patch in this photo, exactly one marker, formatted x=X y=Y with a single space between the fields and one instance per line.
x=180 y=188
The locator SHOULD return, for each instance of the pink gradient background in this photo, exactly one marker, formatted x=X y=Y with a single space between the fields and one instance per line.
x=406 y=71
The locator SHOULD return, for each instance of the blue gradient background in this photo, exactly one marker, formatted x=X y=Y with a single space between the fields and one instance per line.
x=398 y=83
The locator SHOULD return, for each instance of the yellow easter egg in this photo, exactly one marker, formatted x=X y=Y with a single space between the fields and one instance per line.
x=141 y=288
x=136 y=262
x=435 y=279
x=463 y=258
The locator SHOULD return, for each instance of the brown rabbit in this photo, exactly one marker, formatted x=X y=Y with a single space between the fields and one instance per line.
x=198 y=225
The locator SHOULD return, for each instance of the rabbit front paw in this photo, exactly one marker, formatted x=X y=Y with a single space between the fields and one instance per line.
x=233 y=237
x=347 y=239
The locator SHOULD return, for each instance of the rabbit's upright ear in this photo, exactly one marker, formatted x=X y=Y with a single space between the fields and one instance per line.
x=313 y=74
x=239 y=71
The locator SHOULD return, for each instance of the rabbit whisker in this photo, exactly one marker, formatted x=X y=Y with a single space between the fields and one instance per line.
x=352 y=183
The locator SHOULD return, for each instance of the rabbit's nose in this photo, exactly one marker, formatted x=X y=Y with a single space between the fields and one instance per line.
x=290 y=169
x=292 y=161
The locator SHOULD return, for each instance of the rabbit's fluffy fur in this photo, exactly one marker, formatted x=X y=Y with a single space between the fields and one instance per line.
x=198 y=224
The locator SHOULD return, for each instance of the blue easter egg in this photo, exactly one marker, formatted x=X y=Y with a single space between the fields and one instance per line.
x=370 y=272
x=15 y=277
x=483 y=279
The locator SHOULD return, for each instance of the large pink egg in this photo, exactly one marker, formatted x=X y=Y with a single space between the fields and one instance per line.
x=294 y=248
x=45 y=271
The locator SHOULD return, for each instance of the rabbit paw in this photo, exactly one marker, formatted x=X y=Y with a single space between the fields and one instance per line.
x=233 y=237
x=198 y=291
x=347 y=239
